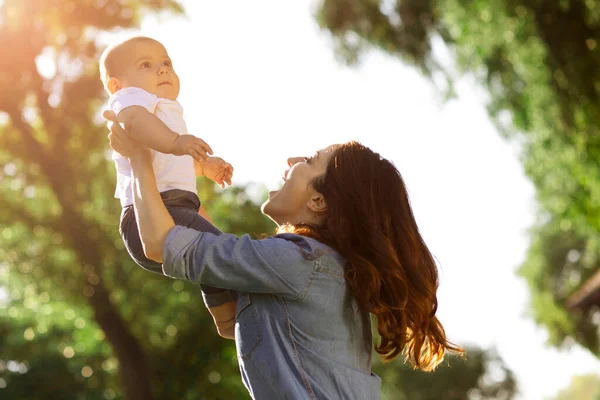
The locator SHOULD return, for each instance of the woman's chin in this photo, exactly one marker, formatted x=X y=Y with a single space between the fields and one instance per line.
x=266 y=206
x=267 y=209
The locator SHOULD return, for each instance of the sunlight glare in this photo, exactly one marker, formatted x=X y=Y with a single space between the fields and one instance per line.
x=45 y=63
x=3 y=293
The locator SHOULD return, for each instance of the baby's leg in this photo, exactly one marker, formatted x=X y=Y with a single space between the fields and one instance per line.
x=223 y=313
x=202 y=212
x=190 y=218
x=183 y=208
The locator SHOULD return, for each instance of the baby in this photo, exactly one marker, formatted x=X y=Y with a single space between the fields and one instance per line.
x=143 y=87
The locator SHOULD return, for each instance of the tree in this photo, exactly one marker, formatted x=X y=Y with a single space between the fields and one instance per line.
x=539 y=61
x=582 y=387
x=49 y=345
x=78 y=311
x=482 y=375
x=78 y=319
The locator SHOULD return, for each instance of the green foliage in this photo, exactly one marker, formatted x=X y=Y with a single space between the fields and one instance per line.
x=235 y=210
x=78 y=319
x=482 y=375
x=582 y=387
x=539 y=61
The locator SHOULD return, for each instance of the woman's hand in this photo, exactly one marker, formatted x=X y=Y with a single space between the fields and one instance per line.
x=119 y=140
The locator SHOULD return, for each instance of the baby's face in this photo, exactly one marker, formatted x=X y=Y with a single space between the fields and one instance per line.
x=149 y=67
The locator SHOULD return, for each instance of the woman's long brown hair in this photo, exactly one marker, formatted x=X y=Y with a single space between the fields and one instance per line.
x=389 y=269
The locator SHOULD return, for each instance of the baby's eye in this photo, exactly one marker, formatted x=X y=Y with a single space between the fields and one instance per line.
x=168 y=63
x=146 y=65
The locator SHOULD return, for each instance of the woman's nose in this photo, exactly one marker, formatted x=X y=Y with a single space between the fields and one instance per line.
x=293 y=160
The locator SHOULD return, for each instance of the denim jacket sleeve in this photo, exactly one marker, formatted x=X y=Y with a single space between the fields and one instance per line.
x=273 y=265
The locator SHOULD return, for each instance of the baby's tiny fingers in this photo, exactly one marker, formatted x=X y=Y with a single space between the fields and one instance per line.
x=200 y=150
x=206 y=147
x=196 y=155
x=110 y=115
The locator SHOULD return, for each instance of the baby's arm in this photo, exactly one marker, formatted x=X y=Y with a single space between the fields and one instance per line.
x=148 y=129
x=216 y=169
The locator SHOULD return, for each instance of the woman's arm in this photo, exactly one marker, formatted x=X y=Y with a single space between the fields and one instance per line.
x=152 y=217
x=146 y=198
x=274 y=265
x=155 y=222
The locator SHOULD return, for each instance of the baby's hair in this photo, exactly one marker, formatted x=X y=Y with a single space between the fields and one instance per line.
x=111 y=60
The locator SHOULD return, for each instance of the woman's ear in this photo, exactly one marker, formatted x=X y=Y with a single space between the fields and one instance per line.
x=317 y=203
x=113 y=85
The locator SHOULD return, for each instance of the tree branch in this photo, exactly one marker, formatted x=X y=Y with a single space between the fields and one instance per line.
x=36 y=151
x=19 y=214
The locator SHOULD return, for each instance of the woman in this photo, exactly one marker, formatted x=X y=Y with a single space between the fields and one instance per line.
x=348 y=246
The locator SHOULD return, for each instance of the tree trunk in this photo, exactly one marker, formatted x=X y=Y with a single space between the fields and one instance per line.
x=133 y=369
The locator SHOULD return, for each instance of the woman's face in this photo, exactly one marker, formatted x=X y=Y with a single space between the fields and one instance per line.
x=297 y=201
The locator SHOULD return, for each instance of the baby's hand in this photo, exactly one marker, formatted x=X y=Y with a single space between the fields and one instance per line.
x=189 y=144
x=218 y=170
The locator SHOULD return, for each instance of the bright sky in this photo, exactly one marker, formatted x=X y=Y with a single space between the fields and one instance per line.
x=260 y=83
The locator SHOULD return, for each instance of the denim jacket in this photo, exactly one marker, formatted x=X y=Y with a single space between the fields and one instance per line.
x=299 y=332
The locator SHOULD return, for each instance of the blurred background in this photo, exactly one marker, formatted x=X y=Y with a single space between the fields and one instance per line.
x=489 y=108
